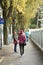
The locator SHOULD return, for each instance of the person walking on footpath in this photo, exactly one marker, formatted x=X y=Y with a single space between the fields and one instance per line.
x=21 y=39
x=27 y=35
x=15 y=41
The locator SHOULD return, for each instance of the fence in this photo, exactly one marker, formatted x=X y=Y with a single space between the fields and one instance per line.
x=37 y=37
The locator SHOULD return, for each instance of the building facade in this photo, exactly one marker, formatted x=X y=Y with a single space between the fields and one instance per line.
x=40 y=16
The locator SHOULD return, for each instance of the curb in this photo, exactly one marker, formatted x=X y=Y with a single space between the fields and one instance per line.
x=2 y=59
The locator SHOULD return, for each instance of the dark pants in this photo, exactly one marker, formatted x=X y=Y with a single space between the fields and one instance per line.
x=15 y=47
x=21 y=49
x=27 y=38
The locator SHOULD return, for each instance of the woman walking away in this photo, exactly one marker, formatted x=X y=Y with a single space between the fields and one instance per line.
x=21 y=39
x=15 y=41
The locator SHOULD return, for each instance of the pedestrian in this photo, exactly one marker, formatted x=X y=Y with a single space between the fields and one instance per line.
x=27 y=35
x=21 y=39
x=15 y=41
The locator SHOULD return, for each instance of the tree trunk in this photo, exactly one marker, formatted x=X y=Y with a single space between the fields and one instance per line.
x=5 y=33
x=13 y=27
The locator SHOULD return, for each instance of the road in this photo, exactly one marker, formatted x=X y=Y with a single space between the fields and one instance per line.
x=32 y=56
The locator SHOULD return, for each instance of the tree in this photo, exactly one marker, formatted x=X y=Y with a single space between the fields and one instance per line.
x=5 y=7
x=21 y=11
x=18 y=9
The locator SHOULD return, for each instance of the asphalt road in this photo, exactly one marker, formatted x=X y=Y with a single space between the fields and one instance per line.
x=32 y=56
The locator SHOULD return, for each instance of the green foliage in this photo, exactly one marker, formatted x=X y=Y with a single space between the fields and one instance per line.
x=33 y=22
x=31 y=9
x=32 y=26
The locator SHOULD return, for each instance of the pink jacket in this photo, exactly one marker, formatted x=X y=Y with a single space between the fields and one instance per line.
x=21 y=38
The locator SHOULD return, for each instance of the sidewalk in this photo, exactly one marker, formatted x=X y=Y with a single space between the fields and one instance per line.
x=5 y=51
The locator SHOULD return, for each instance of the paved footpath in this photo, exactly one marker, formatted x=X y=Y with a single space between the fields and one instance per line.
x=32 y=56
